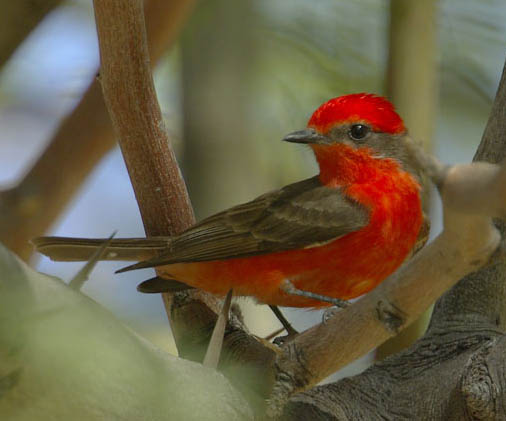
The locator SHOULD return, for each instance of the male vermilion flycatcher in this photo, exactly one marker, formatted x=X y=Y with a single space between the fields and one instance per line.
x=336 y=235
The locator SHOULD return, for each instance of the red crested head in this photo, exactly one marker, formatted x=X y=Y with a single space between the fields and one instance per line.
x=374 y=110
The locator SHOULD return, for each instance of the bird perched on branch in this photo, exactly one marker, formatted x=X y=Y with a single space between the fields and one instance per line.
x=313 y=243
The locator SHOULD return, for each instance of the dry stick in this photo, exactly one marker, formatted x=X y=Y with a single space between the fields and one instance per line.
x=212 y=357
x=80 y=142
x=137 y=119
x=156 y=179
x=466 y=243
x=82 y=276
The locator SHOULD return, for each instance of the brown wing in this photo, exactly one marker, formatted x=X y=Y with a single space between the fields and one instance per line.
x=301 y=215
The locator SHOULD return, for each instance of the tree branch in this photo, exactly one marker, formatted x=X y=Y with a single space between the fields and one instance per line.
x=455 y=367
x=159 y=188
x=130 y=96
x=80 y=142
x=483 y=293
x=466 y=243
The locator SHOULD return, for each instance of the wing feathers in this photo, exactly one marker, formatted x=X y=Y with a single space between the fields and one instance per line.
x=301 y=215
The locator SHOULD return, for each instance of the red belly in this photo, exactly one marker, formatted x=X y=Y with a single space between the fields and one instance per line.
x=346 y=268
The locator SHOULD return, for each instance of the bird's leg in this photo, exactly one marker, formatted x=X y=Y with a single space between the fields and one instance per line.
x=289 y=288
x=286 y=324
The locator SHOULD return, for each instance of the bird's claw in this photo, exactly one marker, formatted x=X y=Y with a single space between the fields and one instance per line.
x=329 y=313
x=283 y=340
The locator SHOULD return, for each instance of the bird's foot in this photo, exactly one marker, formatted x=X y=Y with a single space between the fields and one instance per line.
x=282 y=319
x=283 y=340
x=291 y=332
x=289 y=288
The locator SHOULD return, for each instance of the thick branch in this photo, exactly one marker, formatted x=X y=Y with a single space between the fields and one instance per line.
x=466 y=243
x=137 y=119
x=455 y=367
x=483 y=293
x=80 y=142
x=159 y=188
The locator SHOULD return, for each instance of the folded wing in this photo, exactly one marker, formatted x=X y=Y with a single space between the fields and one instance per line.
x=301 y=215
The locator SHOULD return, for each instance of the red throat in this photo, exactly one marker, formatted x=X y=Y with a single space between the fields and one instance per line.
x=343 y=165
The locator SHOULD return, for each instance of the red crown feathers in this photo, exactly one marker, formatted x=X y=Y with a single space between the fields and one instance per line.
x=375 y=110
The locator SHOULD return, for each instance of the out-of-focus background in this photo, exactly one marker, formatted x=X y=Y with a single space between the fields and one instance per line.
x=241 y=75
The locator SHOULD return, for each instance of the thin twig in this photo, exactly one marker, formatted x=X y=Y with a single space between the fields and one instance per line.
x=81 y=277
x=212 y=357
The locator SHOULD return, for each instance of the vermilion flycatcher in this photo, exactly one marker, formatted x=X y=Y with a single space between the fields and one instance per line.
x=335 y=235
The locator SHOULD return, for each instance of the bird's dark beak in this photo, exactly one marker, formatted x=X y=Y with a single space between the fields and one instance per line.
x=306 y=136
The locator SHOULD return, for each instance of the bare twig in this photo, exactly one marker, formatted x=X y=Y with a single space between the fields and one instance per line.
x=212 y=357
x=81 y=277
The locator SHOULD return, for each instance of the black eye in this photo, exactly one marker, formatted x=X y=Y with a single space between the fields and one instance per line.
x=359 y=131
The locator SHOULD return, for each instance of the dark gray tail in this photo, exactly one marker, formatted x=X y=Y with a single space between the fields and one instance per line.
x=71 y=249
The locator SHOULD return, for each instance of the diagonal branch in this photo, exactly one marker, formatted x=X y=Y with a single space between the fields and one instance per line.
x=467 y=242
x=137 y=119
x=80 y=142
x=483 y=293
x=156 y=179
x=457 y=366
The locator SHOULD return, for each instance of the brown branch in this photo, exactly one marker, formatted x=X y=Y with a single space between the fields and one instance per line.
x=466 y=243
x=465 y=322
x=160 y=190
x=130 y=96
x=137 y=119
x=18 y=19
x=483 y=293
x=80 y=142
